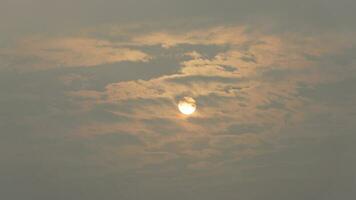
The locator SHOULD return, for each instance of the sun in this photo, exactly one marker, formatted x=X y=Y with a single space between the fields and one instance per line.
x=187 y=105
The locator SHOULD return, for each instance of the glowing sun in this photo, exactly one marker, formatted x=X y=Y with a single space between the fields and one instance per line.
x=187 y=105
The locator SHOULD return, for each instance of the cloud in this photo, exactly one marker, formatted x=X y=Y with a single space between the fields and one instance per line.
x=246 y=92
x=46 y=53
x=211 y=36
x=276 y=99
x=236 y=103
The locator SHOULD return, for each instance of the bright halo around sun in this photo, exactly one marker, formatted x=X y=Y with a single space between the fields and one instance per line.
x=187 y=105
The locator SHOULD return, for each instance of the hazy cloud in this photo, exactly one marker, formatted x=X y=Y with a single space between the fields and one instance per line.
x=275 y=100
x=44 y=53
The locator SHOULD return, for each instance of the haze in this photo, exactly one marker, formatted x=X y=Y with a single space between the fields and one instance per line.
x=89 y=92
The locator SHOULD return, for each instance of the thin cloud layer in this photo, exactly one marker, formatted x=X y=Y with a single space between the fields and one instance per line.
x=106 y=109
x=234 y=88
x=89 y=92
x=44 y=53
x=211 y=36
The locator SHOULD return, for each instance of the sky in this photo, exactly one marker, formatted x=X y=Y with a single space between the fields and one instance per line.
x=89 y=92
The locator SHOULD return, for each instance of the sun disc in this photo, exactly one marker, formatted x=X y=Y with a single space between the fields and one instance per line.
x=187 y=105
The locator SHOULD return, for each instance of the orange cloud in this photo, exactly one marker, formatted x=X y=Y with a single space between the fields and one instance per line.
x=211 y=36
x=44 y=53
x=232 y=87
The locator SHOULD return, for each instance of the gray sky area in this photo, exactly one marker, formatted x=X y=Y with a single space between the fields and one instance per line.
x=89 y=92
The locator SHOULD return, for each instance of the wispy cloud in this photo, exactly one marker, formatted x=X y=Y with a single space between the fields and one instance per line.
x=211 y=36
x=46 y=53
x=246 y=92
x=242 y=104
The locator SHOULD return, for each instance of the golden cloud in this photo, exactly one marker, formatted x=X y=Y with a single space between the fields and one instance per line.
x=44 y=53
x=212 y=36
x=231 y=87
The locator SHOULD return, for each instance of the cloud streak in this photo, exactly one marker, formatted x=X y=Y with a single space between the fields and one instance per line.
x=46 y=53
x=246 y=94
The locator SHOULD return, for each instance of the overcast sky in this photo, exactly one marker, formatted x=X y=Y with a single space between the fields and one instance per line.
x=89 y=92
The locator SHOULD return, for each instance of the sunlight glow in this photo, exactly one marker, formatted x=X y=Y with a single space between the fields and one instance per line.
x=187 y=106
